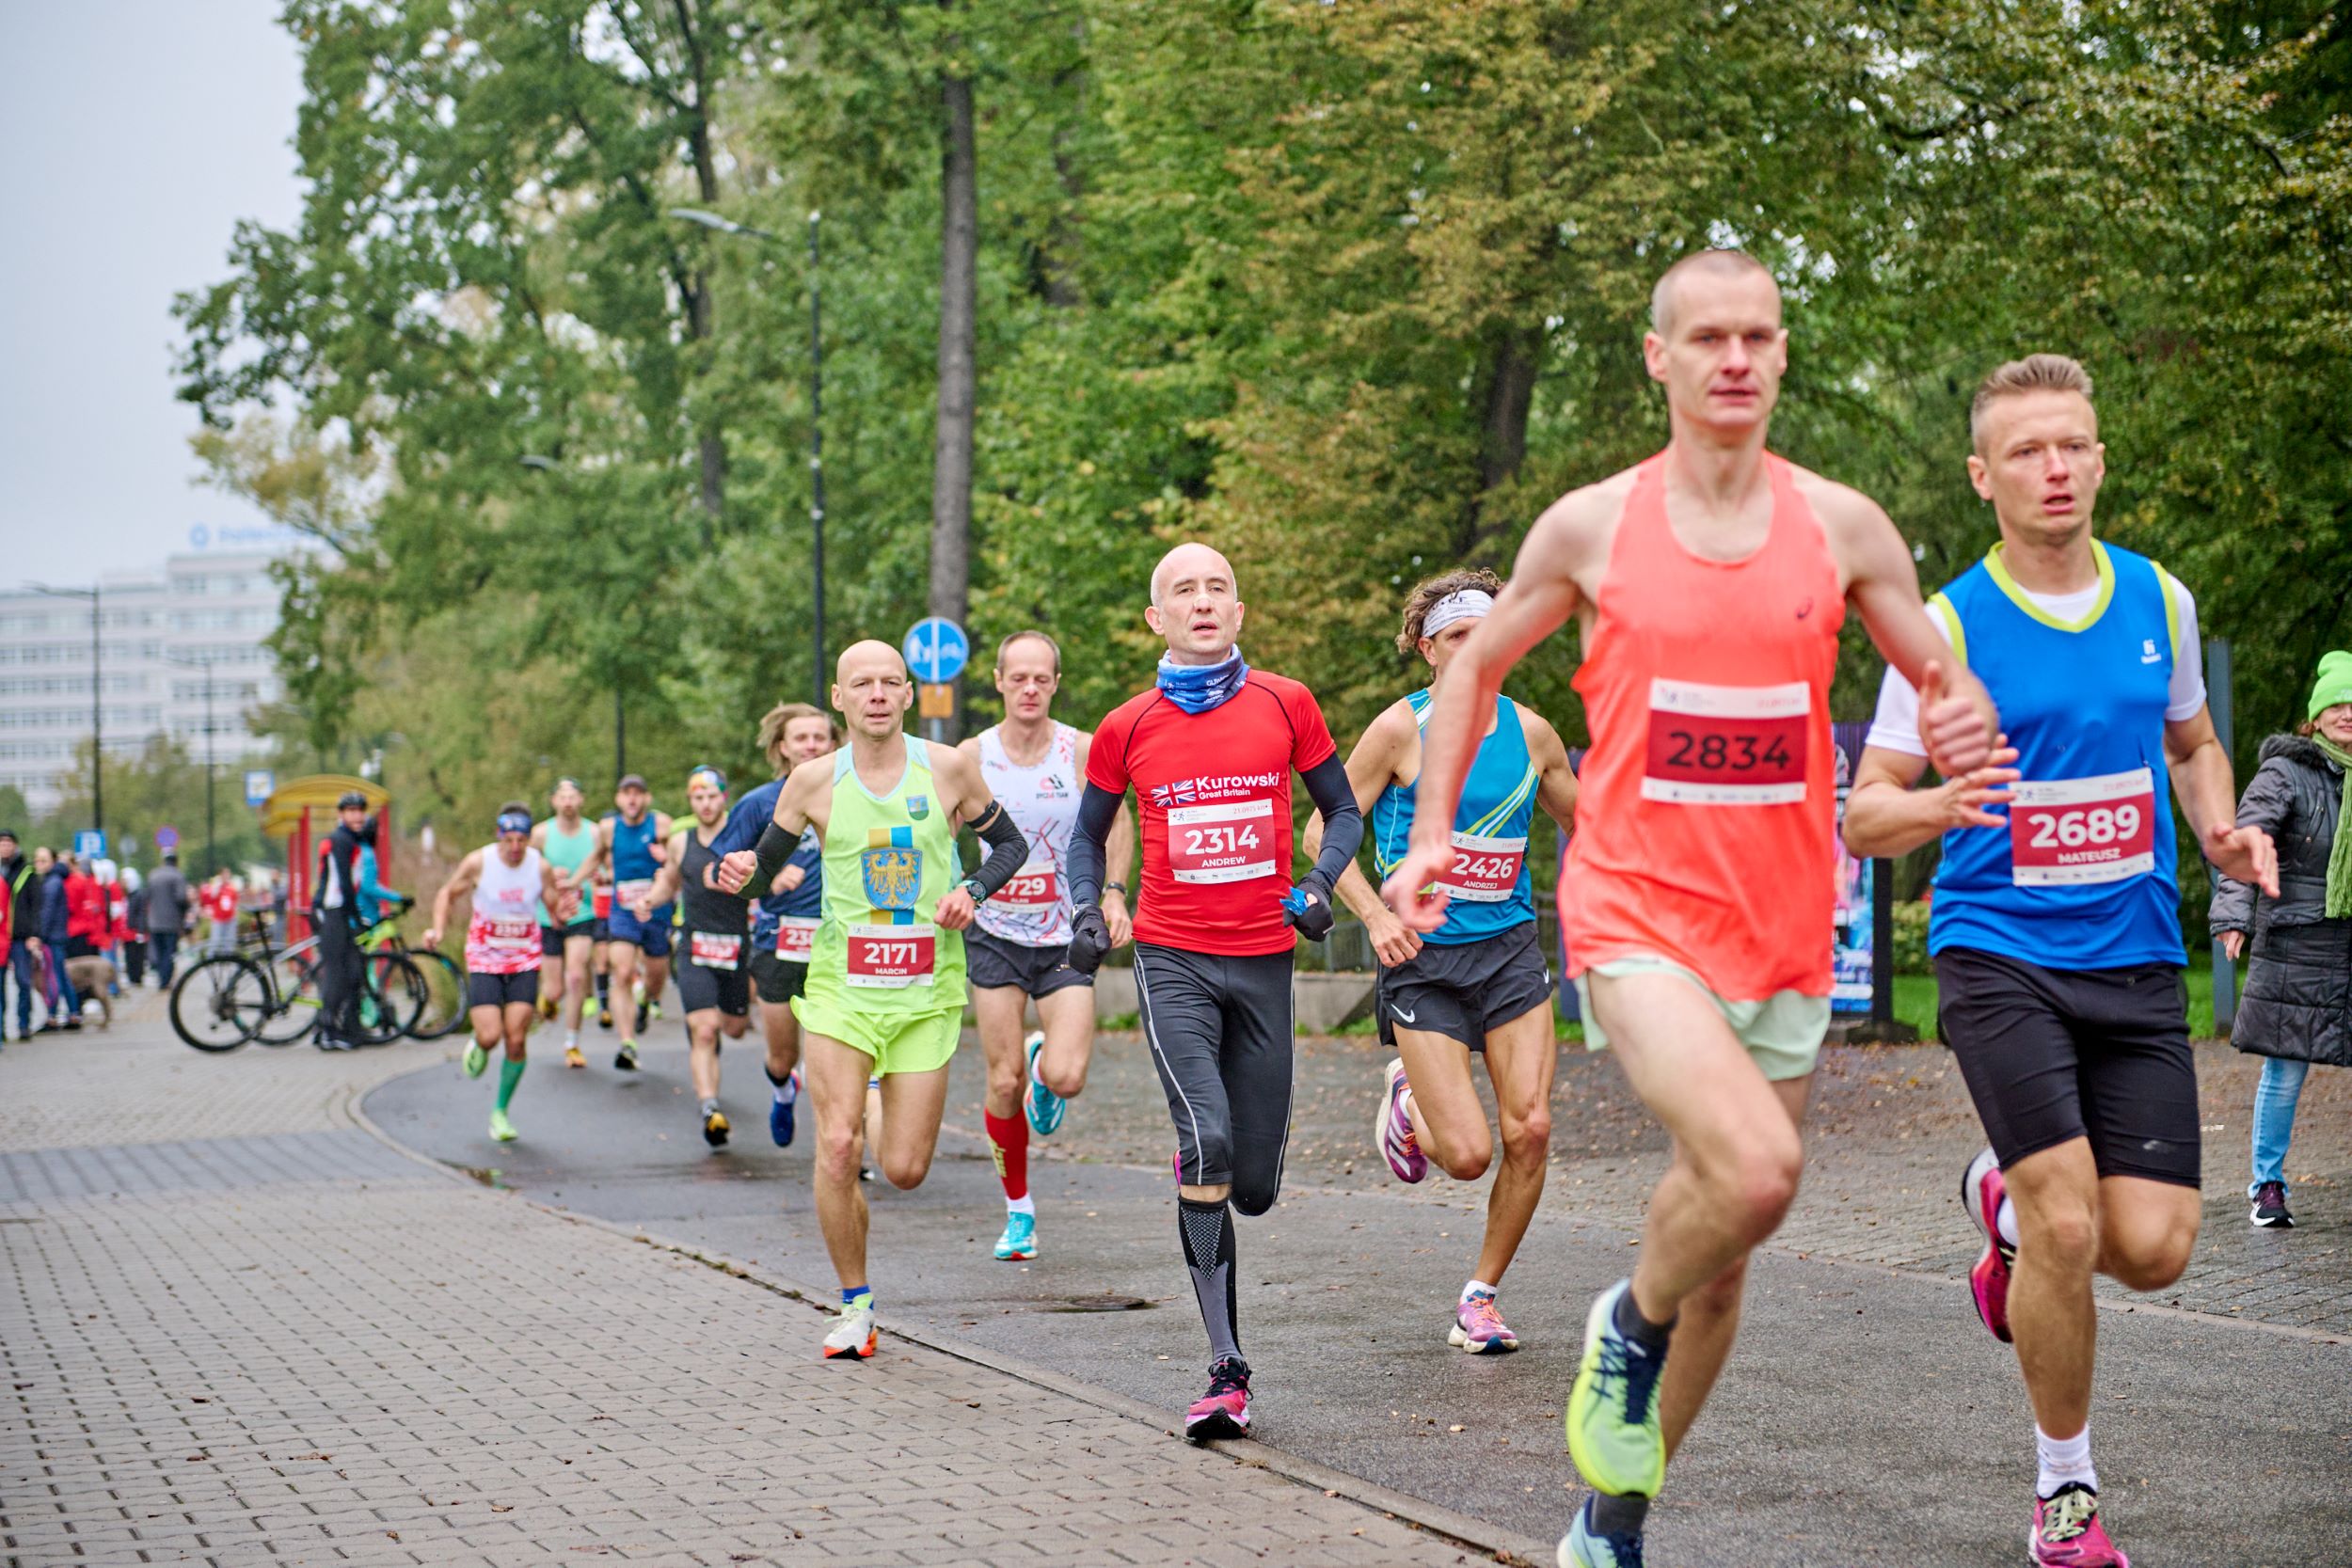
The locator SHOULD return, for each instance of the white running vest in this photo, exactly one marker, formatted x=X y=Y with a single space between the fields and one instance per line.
x=503 y=936
x=1033 y=908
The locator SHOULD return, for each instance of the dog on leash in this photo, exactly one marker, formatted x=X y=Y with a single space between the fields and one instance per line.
x=91 y=977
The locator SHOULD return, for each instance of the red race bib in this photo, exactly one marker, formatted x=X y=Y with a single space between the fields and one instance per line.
x=1728 y=745
x=711 y=951
x=2071 y=832
x=892 y=958
x=1485 y=870
x=796 y=937
x=510 y=935
x=1035 y=886
x=1231 y=842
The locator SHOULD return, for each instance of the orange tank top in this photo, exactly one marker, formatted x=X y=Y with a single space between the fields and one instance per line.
x=1706 y=803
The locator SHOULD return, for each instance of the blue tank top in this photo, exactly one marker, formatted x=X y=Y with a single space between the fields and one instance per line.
x=2086 y=877
x=633 y=856
x=1489 y=886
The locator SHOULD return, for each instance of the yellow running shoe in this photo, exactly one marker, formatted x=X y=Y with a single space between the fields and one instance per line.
x=546 y=1007
x=574 y=1056
x=1612 y=1415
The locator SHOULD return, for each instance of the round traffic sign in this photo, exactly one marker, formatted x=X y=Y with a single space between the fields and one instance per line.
x=936 y=650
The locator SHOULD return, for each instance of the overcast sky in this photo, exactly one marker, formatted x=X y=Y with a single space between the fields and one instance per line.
x=138 y=133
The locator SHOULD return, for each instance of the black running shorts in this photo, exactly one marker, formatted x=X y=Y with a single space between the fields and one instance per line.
x=552 y=937
x=991 y=962
x=1219 y=1029
x=1462 y=990
x=502 y=990
x=2053 y=1055
x=778 y=980
x=700 y=989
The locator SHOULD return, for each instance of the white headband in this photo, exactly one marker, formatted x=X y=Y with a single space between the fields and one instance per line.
x=1469 y=604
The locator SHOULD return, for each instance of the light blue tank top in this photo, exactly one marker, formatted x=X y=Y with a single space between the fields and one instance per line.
x=2086 y=877
x=1489 y=886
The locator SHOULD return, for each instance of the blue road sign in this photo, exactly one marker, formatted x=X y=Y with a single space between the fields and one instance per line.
x=259 y=785
x=90 y=844
x=167 y=838
x=936 y=650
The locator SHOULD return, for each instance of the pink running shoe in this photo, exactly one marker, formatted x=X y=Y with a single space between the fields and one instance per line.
x=1478 y=1328
x=2067 y=1532
x=1394 y=1129
x=1224 y=1410
x=1981 y=1192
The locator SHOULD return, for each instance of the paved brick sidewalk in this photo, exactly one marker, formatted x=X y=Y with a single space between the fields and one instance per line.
x=298 y=1345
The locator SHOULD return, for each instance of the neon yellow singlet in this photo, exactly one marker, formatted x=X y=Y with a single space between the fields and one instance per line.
x=888 y=860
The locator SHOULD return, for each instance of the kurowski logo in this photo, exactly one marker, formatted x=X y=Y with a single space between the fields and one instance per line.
x=1191 y=791
x=2148 y=653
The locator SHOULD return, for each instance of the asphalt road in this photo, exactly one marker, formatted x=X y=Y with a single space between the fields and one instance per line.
x=1866 y=1417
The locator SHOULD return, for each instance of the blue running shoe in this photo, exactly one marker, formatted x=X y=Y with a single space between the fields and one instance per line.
x=1585 y=1548
x=780 y=1109
x=1044 y=1107
x=1019 y=1242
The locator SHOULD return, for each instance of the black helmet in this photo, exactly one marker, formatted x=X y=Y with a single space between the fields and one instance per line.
x=352 y=797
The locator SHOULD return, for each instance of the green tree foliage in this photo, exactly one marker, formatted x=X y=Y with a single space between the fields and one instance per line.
x=1352 y=289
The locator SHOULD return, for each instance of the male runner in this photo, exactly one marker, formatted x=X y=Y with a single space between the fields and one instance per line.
x=1018 y=950
x=1709 y=583
x=2057 y=935
x=1209 y=751
x=713 y=971
x=885 y=985
x=565 y=841
x=509 y=882
x=786 y=917
x=633 y=841
x=1480 y=982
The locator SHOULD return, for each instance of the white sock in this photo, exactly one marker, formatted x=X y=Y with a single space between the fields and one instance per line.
x=1474 y=1287
x=2005 y=1221
x=1025 y=1204
x=2063 y=1459
x=571 y=1039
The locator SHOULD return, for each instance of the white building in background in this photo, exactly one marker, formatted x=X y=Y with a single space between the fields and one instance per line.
x=157 y=631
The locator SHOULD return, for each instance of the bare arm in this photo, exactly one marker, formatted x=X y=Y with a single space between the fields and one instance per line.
x=460 y=885
x=974 y=804
x=1886 y=816
x=561 y=900
x=666 y=880
x=2201 y=780
x=798 y=805
x=1555 y=784
x=1372 y=766
x=585 y=872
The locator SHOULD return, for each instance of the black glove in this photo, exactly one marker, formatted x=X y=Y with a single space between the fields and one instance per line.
x=1090 y=939
x=1307 y=907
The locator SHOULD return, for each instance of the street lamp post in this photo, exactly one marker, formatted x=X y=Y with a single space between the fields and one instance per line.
x=816 y=419
x=620 y=723
x=97 y=697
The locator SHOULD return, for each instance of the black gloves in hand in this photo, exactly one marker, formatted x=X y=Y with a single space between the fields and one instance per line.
x=1307 y=907
x=1090 y=939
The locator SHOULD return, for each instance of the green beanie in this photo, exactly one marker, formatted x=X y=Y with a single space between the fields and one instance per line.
x=2334 y=684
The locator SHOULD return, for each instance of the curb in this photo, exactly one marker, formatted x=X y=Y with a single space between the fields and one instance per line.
x=1496 y=1544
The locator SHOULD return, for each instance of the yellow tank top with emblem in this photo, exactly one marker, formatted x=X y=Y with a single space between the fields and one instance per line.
x=888 y=860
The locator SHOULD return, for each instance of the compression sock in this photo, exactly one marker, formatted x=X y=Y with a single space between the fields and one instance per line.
x=2063 y=1460
x=1207 y=1230
x=604 y=992
x=1618 y=1515
x=510 y=1074
x=1009 y=1142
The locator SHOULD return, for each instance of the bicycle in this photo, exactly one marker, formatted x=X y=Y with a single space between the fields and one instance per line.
x=272 y=995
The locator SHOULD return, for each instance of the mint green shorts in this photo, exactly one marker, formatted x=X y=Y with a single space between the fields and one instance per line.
x=1783 y=1033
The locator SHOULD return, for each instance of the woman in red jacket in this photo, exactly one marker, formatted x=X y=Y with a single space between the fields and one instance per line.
x=85 y=911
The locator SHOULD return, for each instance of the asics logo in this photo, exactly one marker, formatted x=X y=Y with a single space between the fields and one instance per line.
x=1402 y=1015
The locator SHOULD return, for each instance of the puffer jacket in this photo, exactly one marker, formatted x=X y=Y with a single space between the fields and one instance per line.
x=2298 y=977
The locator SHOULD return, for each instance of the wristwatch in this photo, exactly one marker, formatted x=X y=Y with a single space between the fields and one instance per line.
x=1120 y=887
x=972 y=886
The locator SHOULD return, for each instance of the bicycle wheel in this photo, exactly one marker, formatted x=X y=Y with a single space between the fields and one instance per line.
x=392 y=994
x=444 y=1011
x=295 y=982
x=218 y=1003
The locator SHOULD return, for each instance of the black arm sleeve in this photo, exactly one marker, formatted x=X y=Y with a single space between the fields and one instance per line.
x=1098 y=808
x=1342 y=822
x=1007 y=851
x=775 y=848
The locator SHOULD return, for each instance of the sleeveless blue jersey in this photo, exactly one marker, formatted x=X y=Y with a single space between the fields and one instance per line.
x=1490 y=825
x=2086 y=877
x=633 y=856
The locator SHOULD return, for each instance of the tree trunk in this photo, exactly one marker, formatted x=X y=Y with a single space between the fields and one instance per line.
x=1510 y=380
x=959 y=310
x=714 y=443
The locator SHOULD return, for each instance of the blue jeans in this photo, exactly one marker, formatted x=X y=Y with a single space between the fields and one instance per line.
x=27 y=972
x=163 y=947
x=2274 y=1117
x=64 y=1001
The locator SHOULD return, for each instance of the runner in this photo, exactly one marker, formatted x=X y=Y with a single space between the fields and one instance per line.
x=785 y=920
x=2057 y=936
x=565 y=841
x=713 y=973
x=1709 y=583
x=1479 y=983
x=503 y=947
x=1018 y=950
x=885 y=983
x=600 y=933
x=632 y=842
x=1209 y=753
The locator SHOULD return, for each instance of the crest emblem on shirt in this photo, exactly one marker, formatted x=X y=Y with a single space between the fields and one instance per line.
x=918 y=806
x=892 y=874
